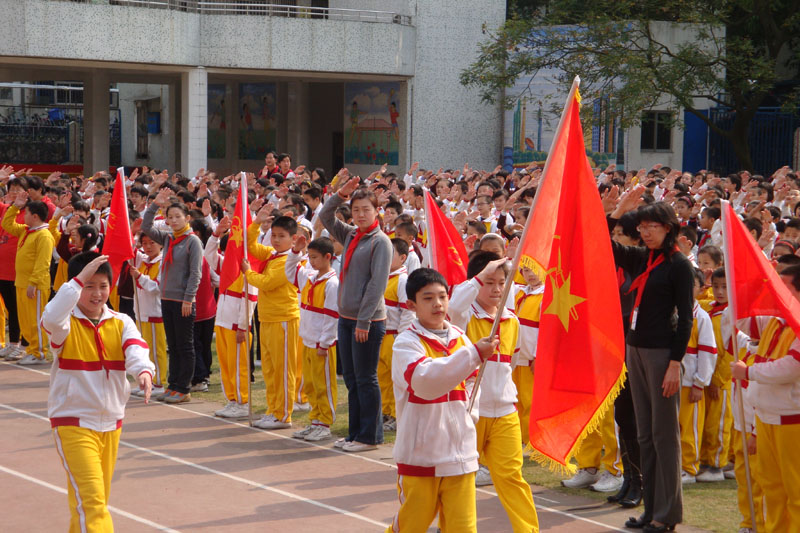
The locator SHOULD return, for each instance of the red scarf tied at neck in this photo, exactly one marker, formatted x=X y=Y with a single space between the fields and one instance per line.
x=353 y=244
x=641 y=280
x=178 y=237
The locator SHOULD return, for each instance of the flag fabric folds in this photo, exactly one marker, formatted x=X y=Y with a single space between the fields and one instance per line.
x=755 y=287
x=236 y=249
x=118 y=243
x=447 y=251
x=580 y=357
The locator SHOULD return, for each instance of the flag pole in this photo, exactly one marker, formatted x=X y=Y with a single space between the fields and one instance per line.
x=518 y=253
x=737 y=384
x=246 y=297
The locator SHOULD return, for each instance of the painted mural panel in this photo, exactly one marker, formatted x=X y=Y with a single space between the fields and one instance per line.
x=217 y=128
x=371 y=123
x=257 y=119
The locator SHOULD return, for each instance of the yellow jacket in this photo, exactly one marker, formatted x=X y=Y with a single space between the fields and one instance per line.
x=277 y=296
x=34 y=252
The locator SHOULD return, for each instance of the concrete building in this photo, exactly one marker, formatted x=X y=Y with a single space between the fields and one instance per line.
x=189 y=76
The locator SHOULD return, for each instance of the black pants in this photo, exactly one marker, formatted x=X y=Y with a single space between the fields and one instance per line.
x=180 y=345
x=203 y=335
x=126 y=306
x=9 y=294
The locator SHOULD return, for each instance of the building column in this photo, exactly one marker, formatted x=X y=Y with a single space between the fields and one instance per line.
x=194 y=121
x=95 y=122
x=297 y=124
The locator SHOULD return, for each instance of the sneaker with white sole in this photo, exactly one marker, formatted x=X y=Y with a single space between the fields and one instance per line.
x=31 y=359
x=273 y=423
x=200 y=387
x=301 y=407
x=355 y=447
x=319 y=433
x=711 y=475
x=13 y=352
x=178 y=397
x=155 y=391
x=483 y=477
x=729 y=474
x=303 y=432
x=390 y=424
x=687 y=478
x=608 y=482
x=582 y=479
x=263 y=420
x=339 y=443
x=139 y=393
x=225 y=410
x=240 y=410
x=5 y=349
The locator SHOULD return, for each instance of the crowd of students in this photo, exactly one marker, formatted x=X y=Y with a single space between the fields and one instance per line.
x=338 y=280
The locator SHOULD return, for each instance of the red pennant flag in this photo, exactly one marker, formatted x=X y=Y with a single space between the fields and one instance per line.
x=236 y=250
x=118 y=242
x=448 y=253
x=580 y=355
x=755 y=287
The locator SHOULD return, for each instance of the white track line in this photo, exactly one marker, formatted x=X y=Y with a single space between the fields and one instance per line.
x=361 y=457
x=111 y=508
x=225 y=475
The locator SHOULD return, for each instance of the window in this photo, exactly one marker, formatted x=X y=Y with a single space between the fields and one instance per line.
x=657 y=131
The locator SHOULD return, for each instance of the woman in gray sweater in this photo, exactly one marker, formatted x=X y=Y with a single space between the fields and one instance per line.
x=181 y=268
x=366 y=260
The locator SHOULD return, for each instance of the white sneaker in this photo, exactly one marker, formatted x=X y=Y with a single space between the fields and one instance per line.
x=687 y=478
x=139 y=393
x=263 y=420
x=225 y=410
x=390 y=424
x=483 y=477
x=582 y=479
x=711 y=475
x=270 y=422
x=156 y=390
x=200 y=387
x=355 y=447
x=729 y=474
x=240 y=410
x=4 y=351
x=340 y=443
x=31 y=359
x=608 y=482
x=302 y=407
x=303 y=432
x=319 y=433
x=15 y=353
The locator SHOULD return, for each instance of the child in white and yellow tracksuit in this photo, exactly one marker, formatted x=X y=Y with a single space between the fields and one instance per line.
x=498 y=428
x=528 y=307
x=775 y=373
x=398 y=319
x=231 y=327
x=698 y=367
x=319 y=316
x=93 y=348
x=146 y=272
x=34 y=253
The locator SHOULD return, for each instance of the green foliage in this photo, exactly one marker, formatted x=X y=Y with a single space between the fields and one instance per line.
x=732 y=52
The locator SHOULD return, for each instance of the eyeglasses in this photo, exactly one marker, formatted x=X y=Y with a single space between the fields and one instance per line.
x=647 y=228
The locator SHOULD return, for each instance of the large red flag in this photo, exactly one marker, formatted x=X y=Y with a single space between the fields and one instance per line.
x=580 y=355
x=755 y=287
x=118 y=243
x=448 y=253
x=236 y=250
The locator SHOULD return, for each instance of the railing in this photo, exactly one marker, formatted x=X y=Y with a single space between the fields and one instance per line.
x=259 y=7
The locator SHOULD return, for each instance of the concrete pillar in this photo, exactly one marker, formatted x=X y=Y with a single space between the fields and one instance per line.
x=297 y=123
x=95 y=122
x=194 y=120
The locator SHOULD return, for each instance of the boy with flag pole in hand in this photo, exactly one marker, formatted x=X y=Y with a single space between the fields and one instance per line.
x=93 y=349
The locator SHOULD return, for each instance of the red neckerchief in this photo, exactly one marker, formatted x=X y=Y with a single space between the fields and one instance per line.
x=717 y=308
x=641 y=280
x=172 y=244
x=98 y=341
x=28 y=232
x=352 y=247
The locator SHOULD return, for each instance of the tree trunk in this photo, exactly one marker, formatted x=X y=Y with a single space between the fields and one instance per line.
x=741 y=144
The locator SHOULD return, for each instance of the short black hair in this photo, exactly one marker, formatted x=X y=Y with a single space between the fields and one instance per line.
x=397 y=206
x=421 y=278
x=628 y=223
x=408 y=228
x=79 y=262
x=177 y=205
x=794 y=273
x=754 y=224
x=713 y=252
x=38 y=208
x=322 y=245
x=699 y=277
x=314 y=192
x=689 y=232
x=713 y=212
x=789 y=259
x=663 y=214
x=479 y=261
x=287 y=223
x=400 y=246
x=35 y=183
x=719 y=273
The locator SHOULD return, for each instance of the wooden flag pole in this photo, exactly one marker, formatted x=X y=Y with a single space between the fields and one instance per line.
x=518 y=253
x=737 y=384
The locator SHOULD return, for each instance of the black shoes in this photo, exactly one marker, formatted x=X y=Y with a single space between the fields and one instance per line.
x=637 y=523
x=623 y=490
x=650 y=528
x=633 y=498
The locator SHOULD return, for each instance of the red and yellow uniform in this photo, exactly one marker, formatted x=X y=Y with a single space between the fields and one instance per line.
x=719 y=419
x=398 y=319
x=86 y=404
x=32 y=264
x=319 y=317
x=433 y=379
x=279 y=317
x=147 y=306
x=528 y=307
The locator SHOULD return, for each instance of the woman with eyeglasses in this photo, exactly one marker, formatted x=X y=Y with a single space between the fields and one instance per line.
x=660 y=327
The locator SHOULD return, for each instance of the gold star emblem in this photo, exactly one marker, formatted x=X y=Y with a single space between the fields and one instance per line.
x=563 y=303
x=236 y=233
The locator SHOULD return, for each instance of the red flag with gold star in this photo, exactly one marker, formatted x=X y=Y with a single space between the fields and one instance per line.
x=236 y=250
x=118 y=241
x=580 y=354
x=448 y=253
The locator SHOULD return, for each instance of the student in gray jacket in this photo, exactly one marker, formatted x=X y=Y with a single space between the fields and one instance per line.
x=181 y=268
x=366 y=260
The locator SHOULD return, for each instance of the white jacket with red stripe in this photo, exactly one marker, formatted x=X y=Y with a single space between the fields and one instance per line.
x=701 y=353
x=231 y=312
x=435 y=433
x=319 y=326
x=85 y=392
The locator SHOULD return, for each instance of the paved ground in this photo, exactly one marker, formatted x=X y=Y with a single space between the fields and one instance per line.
x=180 y=469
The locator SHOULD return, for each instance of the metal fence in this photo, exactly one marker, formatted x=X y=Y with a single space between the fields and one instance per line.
x=260 y=7
x=771 y=136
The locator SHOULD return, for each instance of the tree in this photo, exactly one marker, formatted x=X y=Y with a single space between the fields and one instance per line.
x=735 y=53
